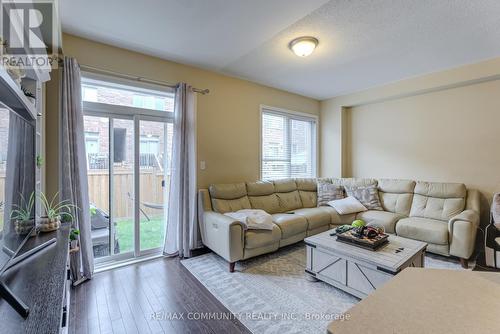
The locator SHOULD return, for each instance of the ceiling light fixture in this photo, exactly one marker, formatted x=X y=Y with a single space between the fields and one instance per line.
x=303 y=46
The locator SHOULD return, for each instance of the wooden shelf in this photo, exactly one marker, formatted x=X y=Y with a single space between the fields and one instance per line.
x=13 y=97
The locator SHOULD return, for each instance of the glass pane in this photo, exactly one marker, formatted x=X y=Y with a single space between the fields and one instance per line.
x=301 y=148
x=123 y=185
x=154 y=157
x=275 y=150
x=124 y=95
x=97 y=131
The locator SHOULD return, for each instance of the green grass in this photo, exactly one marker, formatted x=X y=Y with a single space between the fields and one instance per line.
x=152 y=233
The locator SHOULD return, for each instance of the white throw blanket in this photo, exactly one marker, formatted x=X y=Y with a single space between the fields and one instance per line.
x=253 y=219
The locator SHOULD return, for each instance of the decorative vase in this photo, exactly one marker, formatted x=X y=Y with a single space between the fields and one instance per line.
x=32 y=100
x=48 y=225
x=16 y=72
x=23 y=227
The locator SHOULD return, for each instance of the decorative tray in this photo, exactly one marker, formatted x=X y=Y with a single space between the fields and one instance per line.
x=374 y=243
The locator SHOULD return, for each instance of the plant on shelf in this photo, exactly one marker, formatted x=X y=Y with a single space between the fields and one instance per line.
x=73 y=239
x=39 y=161
x=22 y=215
x=29 y=94
x=54 y=212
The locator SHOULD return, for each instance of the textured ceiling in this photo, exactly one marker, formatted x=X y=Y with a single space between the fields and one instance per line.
x=362 y=43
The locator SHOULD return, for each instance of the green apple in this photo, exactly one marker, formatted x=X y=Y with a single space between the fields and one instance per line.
x=358 y=223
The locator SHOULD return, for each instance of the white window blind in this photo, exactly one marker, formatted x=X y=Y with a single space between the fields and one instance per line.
x=288 y=145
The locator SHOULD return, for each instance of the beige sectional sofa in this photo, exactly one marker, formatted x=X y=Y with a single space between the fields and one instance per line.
x=445 y=215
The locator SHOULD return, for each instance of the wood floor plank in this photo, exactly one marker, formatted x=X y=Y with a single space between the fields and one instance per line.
x=125 y=300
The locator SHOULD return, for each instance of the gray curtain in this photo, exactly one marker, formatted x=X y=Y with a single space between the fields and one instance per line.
x=74 y=184
x=182 y=234
x=20 y=172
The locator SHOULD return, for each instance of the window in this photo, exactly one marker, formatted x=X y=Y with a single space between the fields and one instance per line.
x=288 y=144
x=128 y=129
x=149 y=144
x=100 y=91
x=91 y=142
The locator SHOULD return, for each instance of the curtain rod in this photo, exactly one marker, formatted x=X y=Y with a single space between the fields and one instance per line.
x=140 y=79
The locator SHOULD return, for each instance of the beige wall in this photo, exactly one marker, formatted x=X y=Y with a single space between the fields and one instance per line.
x=439 y=127
x=228 y=117
x=452 y=135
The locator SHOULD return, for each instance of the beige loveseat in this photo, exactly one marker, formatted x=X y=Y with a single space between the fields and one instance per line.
x=445 y=215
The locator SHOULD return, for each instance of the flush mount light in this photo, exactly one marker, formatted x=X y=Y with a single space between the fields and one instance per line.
x=303 y=46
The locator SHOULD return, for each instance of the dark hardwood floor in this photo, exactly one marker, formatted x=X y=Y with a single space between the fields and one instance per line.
x=125 y=300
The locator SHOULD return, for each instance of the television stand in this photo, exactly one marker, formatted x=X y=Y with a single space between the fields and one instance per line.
x=6 y=293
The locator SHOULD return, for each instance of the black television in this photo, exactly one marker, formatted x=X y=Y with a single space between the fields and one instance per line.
x=18 y=197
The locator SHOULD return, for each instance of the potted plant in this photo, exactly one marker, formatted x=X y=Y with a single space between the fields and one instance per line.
x=22 y=215
x=39 y=161
x=29 y=95
x=73 y=239
x=54 y=212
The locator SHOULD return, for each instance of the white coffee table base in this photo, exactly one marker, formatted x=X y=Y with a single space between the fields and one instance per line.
x=356 y=270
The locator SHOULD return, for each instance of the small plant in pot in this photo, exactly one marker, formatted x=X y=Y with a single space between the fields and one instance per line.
x=54 y=212
x=22 y=215
x=73 y=239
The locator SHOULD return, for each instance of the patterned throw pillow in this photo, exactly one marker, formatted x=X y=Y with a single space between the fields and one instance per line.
x=367 y=195
x=328 y=192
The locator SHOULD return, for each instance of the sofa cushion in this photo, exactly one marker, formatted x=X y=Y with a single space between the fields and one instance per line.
x=396 y=195
x=290 y=224
x=335 y=218
x=229 y=197
x=284 y=185
x=289 y=201
x=309 y=199
x=367 y=195
x=347 y=205
x=396 y=186
x=355 y=182
x=328 y=192
x=230 y=205
x=307 y=192
x=436 y=208
x=397 y=203
x=228 y=191
x=441 y=190
x=268 y=203
x=260 y=188
x=382 y=218
x=306 y=184
x=423 y=229
x=315 y=217
x=261 y=238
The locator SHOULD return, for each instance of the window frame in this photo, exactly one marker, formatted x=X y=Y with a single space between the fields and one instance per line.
x=136 y=114
x=297 y=115
x=99 y=108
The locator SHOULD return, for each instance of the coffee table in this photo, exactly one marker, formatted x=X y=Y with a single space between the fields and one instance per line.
x=356 y=270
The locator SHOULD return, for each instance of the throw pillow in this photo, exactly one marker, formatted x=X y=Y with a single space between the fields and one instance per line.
x=328 y=192
x=367 y=195
x=347 y=205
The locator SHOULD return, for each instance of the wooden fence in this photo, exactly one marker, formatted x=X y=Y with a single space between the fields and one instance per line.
x=151 y=191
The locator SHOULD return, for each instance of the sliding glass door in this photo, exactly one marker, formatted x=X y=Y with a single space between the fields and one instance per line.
x=128 y=150
x=124 y=223
x=155 y=150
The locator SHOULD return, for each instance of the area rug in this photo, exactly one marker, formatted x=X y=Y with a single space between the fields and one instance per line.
x=271 y=293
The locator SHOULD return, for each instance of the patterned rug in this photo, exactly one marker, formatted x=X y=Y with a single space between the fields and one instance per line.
x=271 y=293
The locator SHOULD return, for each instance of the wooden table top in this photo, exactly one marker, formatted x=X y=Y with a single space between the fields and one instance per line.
x=428 y=301
x=391 y=256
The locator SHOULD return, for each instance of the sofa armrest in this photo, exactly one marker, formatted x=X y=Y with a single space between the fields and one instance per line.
x=462 y=230
x=223 y=235
x=473 y=201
